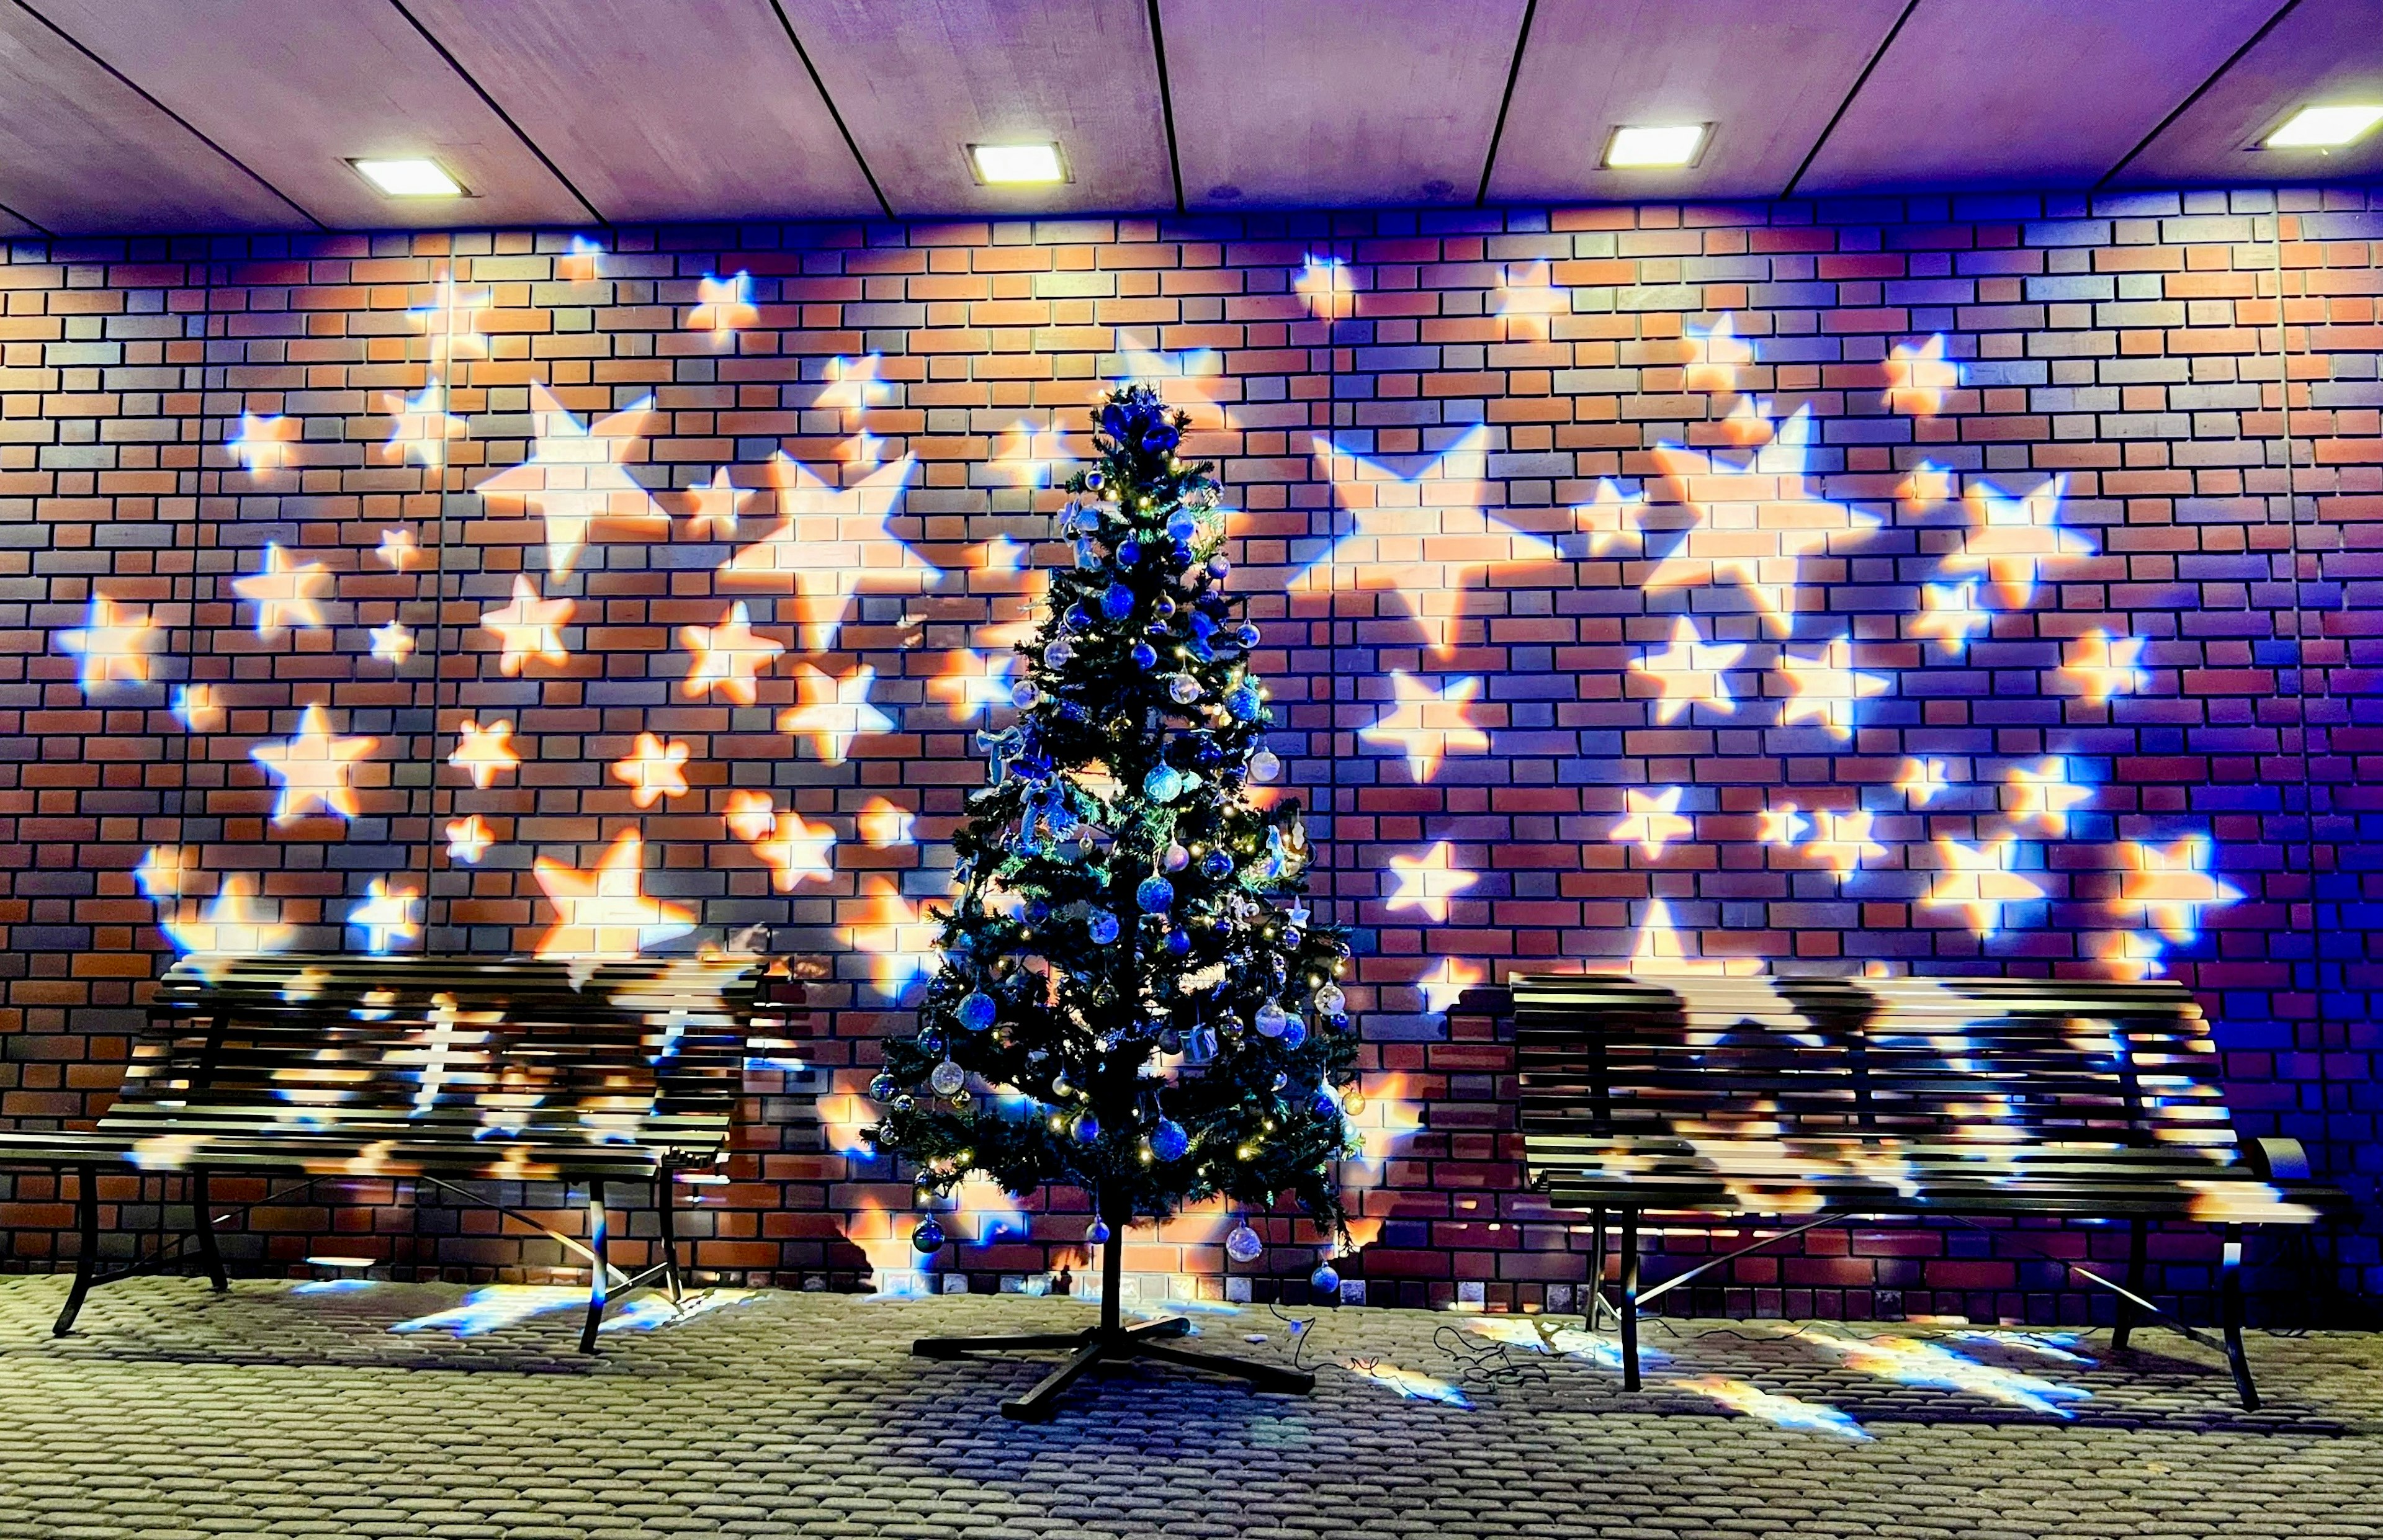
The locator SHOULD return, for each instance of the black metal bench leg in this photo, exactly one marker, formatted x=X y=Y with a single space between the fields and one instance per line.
x=203 y=1219
x=2230 y=1303
x=1629 y=1298
x=2138 y=1247
x=599 y=1270
x=665 y=1187
x=86 y=1264
x=1596 y=1273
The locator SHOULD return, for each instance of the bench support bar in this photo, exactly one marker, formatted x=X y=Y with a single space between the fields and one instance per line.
x=2132 y=1302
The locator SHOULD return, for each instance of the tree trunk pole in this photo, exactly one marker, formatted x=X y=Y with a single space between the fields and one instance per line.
x=1112 y=1276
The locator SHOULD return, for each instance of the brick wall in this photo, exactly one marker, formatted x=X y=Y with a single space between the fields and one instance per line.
x=217 y=436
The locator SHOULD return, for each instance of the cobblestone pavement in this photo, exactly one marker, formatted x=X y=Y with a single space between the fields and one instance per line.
x=272 y=1411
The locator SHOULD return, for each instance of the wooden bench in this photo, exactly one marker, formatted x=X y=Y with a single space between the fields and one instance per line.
x=437 y=1070
x=1818 y=1102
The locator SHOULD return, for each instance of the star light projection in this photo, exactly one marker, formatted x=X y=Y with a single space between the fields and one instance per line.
x=722 y=306
x=313 y=769
x=286 y=593
x=831 y=542
x=1690 y=671
x=729 y=658
x=835 y=712
x=604 y=913
x=575 y=475
x=1428 y=724
x=1428 y=881
x=115 y=645
x=1385 y=549
x=529 y=627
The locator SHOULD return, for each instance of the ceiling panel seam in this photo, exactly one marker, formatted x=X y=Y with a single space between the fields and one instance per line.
x=2200 y=91
x=787 y=23
x=507 y=119
x=1859 y=81
x=134 y=86
x=1166 y=101
x=1513 y=73
x=37 y=226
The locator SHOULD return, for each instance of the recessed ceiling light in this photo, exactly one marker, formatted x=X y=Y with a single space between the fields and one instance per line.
x=409 y=179
x=2325 y=128
x=1007 y=165
x=1655 y=144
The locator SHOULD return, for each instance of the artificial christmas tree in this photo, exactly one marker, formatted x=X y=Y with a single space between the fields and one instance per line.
x=1132 y=1000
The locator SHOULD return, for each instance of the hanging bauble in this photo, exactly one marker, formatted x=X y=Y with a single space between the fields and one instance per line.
x=1243 y=1244
x=1330 y=1001
x=1180 y=943
x=1159 y=437
x=976 y=1013
x=1087 y=1127
x=1023 y=694
x=1162 y=607
x=882 y=1088
x=1097 y=1233
x=928 y=1239
x=1215 y=865
x=1060 y=653
x=1169 y=1141
x=1247 y=635
x=1294 y=1033
x=1243 y=702
x=1078 y=618
x=1184 y=689
x=1264 y=765
x=1324 y=1280
x=1170 y=1040
x=1177 y=857
x=1163 y=783
x=947 y=1078
x=1129 y=552
x=1271 y=1019
x=1218 y=566
x=1117 y=601
x=1182 y=525
x=1102 y=926
x=1156 y=895
x=1095 y=479
x=1324 y=1106
x=1144 y=655
x=1293 y=935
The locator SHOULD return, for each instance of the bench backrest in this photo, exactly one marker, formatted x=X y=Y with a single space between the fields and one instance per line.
x=517 y=1064
x=1960 y=1062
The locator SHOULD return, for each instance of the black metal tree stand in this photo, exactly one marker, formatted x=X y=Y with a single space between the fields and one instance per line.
x=1110 y=1342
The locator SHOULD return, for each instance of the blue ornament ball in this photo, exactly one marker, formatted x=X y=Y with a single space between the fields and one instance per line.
x=1102 y=927
x=978 y=1011
x=1129 y=552
x=1324 y=1106
x=1243 y=701
x=1169 y=1141
x=1037 y=911
x=1156 y=895
x=1182 y=526
x=1078 y=618
x=1247 y=634
x=1144 y=655
x=931 y=1042
x=1324 y=1280
x=1163 y=783
x=882 y=1088
x=1095 y=479
x=1180 y=943
x=1294 y=1033
x=1217 y=865
x=1218 y=566
x=1116 y=602
x=1088 y=1127
x=1097 y=1233
x=928 y=1239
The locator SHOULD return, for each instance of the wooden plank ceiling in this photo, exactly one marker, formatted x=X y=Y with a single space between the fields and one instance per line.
x=123 y=116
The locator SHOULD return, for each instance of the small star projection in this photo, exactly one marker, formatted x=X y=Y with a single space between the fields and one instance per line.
x=835 y=712
x=1428 y=724
x=1427 y=883
x=528 y=627
x=313 y=769
x=728 y=657
x=653 y=769
x=286 y=593
x=484 y=753
x=115 y=645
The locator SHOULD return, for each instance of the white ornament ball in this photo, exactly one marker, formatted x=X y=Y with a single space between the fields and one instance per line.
x=1243 y=1244
x=1264 y=765
x=947 y=1078
x=1271 y=1020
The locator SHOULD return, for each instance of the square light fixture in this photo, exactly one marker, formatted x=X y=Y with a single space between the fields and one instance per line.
x=1642 y=146
x=2325 y=128
x=1017 y=165
x=410 y=178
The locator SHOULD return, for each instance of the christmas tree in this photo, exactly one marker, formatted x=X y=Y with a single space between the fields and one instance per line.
x=1132 y=999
